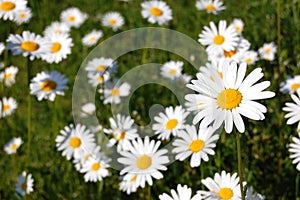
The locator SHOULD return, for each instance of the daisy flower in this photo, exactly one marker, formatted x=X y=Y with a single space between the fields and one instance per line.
x=226 y=99
x=250 y=57
x=251 y=195
x=291 y=85
x=88 y=109
x=9 y=8
x=23 y=16
x=75 y=141
x=211 y=6
x=128 y=186
x=218 y=39
x=238 y=25
x=13 y=145
x=172 y=121
x=96 y=79
x=156 y=12
x=91 y=38
x=199 y=145
x=100 y=65
x=122 y=131
x=144 y=161
x=25 y=184
x=7 y=106
x=183 y=193
x=57 y=28
x=73 y=17
x=267 y=51
x=48 y=84
x=113 y=19
x=29 y=44
x=2 y=47
x=60 y=48
x=86 y=155
x=172 y=69
x=293 y=110
x=294 y=149
x=9 y=75
x=113 y=93
x=223 y=186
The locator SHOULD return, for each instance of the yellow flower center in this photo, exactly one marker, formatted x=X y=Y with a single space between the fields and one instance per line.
x=220 y=74
x=24 y=186
x=196 y=145
x=101 y=68
x=6 y=107
x=55 y=47
x=156 y=12
x=268 y=50
x=143 y=162
x=7 y=76
x=295 y=86
x=229 y=54
x=71 y=18
x=172 y=71
x=48 y=86
x=22 y=15
x=7 y=6
x=96 y=166
x=115 y=92
x=248 y=60
x=86 y=157
x=238 y=29
x=229 y=99
x=219 y=39
x=29 y=46
x=171 y=124
x=13 y=147
x=100 y=79
x=133 y=179
x=210 y=7
x=75 y=142
x=93 y=39
x=119 y=136
x=112 y=21
x=57 y=31
x=225 y=193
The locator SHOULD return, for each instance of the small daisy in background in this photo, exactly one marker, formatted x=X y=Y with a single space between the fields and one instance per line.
x=211 y=6
x=24 y=185
x=172 y=69
x=144 y=161
x=294 y=149
x=169 y=122
x=100 y=65
x=122 y=131
x=86 y=155
x=9 y=8
x=88 y=109
x=97 y=79
x=48 y=84
x=238 y=25
x=182 y=193
x=2 y=47
x=23 y=16
x=251 y=195
x=293 y=110
x=92 y=38
x=9 y=75
x=73 y=17
x=113 y=92
x=7 y=106
x=223 y=186
x=267 y=51
x=13 y=145
x=199 y=144
x=128 y=185
x=156 y=12
x=291 y=85
x=28 y=44
x=113 y=20
x=250 y=57
x=57 y=28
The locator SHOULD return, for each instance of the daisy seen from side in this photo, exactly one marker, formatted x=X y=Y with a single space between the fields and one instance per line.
x=57 y=28
x=24 y=185
x=294 y=149
x=9 y=75
x=293 y=110
x=8 y=105
x=13 y=145
x=92 y=38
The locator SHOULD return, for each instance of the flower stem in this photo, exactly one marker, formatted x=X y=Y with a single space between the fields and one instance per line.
x=149 y=192
x=297 y=186
x=28 y=113
x=240 y=164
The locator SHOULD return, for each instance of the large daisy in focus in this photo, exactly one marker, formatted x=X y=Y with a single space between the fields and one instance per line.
x=113 y=19
x=144 y=161
x=73 y=17
x=48 y=84
x=293 y=110
x=211 y=6
x=113 y=93
x=156 y=12
x=9 y=8
x=182 y=193
x=294 y=149
x=228 y=98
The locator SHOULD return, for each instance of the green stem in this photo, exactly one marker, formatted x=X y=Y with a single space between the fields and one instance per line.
x=202 y=175
x=149 y=192
x=298 y=186
x=240 y=164
x=28 y=113
x=278 y=29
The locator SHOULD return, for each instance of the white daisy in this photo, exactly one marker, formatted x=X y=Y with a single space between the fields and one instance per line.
x=129 y=185
x=9 y=8
x=293 y=110
x=211 y=6
x=75 y=141
x=144 y=161
x=13 y=145
x=172 y=69
x=250 y=57
x=73 y=17
x=48 y=84
x=113 y=93
x=88 y=109
x=186 y=78
x=294 y=149
x=100 y=65
x=251 y=195
x=86 y=155
x=226 y=99
x=122 y=131
x=60 y=48
x=23 y=16
x=29 y=44
x=113 y=19
x=57 y=28
x=156 y=12
x=291 y=85
x=267 y=51
x=238 y=25
x=223 y=186
x=7 y=106
x=25 y=184
x=92 y=38
x=199 y=145
x=96 y=79
x=9 y=75
x=183 y=193
x=219 y=39
x=2 y=47
x=172 y=121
